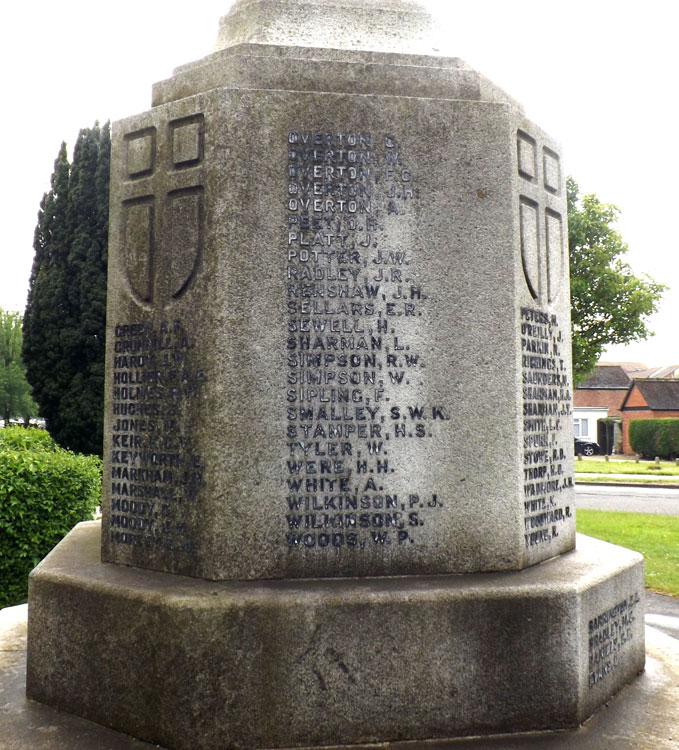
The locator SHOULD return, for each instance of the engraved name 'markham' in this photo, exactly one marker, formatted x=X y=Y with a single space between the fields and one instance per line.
x=546 y=404
x=352 y=306
x=155 y=472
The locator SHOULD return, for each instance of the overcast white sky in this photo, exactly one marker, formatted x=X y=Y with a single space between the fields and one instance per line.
x=599 y=75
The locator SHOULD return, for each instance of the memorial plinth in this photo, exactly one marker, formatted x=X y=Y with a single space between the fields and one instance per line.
x=338 y=323
x=201 y=664
x=338 y=348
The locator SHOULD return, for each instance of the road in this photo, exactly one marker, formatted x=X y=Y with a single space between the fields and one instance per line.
x=662 y=612
x=662 y=500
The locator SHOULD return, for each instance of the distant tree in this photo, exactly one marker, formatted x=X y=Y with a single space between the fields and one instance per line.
x=64 y=324
x=15 y=392
x=609 y=305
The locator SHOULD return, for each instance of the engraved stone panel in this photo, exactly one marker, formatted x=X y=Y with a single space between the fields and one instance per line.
x=138 y=218
x=552 y=171
x=312 y=296
x=556 y=255
x=530 y=245
x=187 y=141
x=181 y=247
x=547 y=472
x=527 y=156
x=140 y=157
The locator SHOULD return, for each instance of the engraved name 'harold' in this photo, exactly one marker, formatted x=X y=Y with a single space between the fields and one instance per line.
x=155 y=471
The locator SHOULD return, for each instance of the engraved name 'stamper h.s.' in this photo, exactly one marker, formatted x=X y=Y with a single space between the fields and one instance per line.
x=338 y=429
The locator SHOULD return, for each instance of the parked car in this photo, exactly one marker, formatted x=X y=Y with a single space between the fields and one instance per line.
x=586 y=447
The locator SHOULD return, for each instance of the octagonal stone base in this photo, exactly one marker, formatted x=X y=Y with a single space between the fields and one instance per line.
x=194 y=664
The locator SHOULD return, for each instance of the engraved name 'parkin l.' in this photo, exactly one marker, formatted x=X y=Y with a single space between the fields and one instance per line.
x=546 y=405
x=353 y=304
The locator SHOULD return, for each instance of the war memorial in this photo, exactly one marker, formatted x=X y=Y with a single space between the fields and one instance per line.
x=338 y=487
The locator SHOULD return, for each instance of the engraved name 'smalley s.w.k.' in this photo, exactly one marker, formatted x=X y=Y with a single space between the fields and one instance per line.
x=338 y=429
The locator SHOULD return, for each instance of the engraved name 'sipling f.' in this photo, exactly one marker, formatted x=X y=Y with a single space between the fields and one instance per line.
x=338 y=497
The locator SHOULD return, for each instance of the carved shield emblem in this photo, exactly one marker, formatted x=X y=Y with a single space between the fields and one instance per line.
x=162 y=245
x=542 y=251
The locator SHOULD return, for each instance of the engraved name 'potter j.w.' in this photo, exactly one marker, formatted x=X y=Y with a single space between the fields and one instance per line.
x=353 y=303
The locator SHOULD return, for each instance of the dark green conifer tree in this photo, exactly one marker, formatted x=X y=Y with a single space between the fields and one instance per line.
x=43 y=319
x=64 y=325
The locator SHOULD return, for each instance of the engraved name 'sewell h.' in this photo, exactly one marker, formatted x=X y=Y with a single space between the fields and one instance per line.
x=338 y=393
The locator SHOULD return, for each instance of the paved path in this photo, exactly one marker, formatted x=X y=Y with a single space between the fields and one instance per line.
x=662 y=612
x=661 y=500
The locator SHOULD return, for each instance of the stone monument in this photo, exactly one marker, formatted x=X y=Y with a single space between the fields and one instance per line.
x=338 y=411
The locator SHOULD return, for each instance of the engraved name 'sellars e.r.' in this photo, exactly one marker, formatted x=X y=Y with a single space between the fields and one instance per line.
x=353 y=301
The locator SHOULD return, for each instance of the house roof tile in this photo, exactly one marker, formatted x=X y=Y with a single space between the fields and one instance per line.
x=606 y=377
x=661 y=394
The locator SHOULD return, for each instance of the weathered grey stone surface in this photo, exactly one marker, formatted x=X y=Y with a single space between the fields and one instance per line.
x=338 y=350
x=401 y=26
x=192 y=664
x=642 y=717
x=338 y=323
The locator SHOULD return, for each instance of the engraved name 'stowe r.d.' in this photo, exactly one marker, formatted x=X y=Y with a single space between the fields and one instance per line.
x=374 y=324
x=338 y=429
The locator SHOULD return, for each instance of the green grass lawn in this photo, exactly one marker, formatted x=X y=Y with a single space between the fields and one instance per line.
x=655 y=536
x=599 y=466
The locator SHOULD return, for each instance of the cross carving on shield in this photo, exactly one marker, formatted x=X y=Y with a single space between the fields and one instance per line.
x=162 y=228
x=542 y=250
x=162 y=244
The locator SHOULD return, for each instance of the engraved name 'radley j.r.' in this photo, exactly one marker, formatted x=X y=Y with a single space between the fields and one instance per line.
x=352 y=310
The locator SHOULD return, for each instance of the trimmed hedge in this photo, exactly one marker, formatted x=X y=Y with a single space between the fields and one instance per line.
x=655 y=437
x=44 y=492
x=26 y=439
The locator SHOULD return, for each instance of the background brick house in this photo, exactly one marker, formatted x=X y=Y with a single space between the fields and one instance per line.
x=648 y=398
x=606 y=387
x=598 y=401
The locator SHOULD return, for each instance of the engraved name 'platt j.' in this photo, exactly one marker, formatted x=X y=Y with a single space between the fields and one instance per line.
x=366 y=468
x=338 y=428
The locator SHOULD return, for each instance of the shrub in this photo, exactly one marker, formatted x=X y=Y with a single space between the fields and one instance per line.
x=44 y=492
x=655 y=437
x=26 y=439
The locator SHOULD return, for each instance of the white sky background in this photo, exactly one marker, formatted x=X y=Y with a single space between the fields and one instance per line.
x=601 y=76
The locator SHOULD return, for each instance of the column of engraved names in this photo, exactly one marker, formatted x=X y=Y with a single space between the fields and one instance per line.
x=546 y=404
x=332 y=355
x=154 y=471
x=395 y=265
x=609 y=633
x=345 y=297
